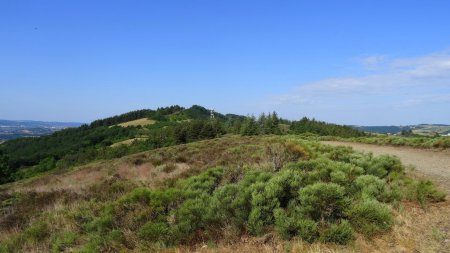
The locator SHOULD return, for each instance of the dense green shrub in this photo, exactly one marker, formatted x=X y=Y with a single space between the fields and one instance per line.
x=38 y=231
x=369 y=185
x=155 y=232
x=318 y=170
x=379 y=166
x=393 y=192
x=389 y=163
x=230 y=205
x=345 y=174
x=101 y=224
x=340 y=153
x=291 y=225
x=285 y=225
x=307 y=230
x=203 y=183
x=112 y=241
x=340 y=233
x=279 y=191
x=323 y=201
x=141 y=194
x=63 y=242
x=189 y=218
x=370 y=217
x=426 y=191
x=261 y=214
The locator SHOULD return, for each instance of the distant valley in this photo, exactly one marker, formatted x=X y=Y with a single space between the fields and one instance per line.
x=13 y=129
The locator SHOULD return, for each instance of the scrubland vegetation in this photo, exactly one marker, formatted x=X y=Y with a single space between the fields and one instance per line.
x=28 y=157
x=235 y=187
x=411 y=141
x=176 y=178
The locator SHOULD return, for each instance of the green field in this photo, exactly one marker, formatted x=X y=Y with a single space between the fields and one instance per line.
x=431 y=129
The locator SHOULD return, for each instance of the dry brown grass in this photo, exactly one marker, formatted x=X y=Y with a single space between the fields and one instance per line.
x=138 y=122
x=75 y=180
x=127 y=142
x=30 y=205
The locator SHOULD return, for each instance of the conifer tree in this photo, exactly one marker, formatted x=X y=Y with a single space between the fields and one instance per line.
x=5 y=172
x=250 y=127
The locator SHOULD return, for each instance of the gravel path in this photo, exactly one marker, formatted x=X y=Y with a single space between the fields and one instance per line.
x=435 y=164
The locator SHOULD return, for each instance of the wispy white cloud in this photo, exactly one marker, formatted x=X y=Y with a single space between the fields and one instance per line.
x=427 y=99
x=396 y=83
x=430 y=66
x=372 y=61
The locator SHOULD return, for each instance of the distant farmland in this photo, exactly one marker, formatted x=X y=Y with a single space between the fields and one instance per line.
x=423 y=129
x=10 y=129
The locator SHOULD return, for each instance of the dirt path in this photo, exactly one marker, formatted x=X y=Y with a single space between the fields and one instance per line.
x=435 y=164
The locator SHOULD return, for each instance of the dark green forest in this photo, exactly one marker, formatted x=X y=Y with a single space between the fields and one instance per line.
x=26 y=157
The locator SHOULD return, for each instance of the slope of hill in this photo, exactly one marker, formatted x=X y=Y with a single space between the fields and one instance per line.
x=189 y=179
x=229 y=194
x=12 y=129
x=26 y=157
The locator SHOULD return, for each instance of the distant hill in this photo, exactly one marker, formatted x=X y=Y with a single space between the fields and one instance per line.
x=428 y=129
x=139 y=131
x=12 y=129
x=421 y=129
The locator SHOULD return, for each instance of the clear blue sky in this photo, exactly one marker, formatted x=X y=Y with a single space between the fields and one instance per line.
x=350 y=62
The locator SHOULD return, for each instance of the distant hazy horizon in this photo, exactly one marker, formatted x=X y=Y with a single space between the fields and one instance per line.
x=347 y=62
